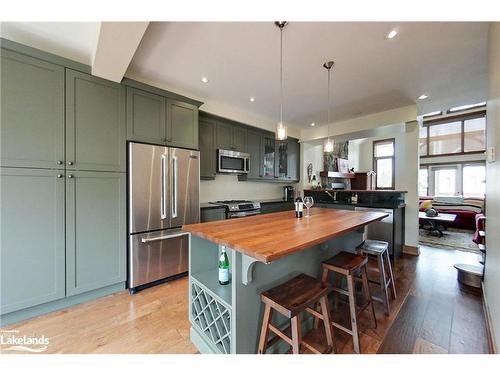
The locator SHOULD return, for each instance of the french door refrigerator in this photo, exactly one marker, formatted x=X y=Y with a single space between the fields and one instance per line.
x=163 y=185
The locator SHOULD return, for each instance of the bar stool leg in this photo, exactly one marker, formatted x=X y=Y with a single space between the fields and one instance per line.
x=295 y=335
x=383 y=283
x=368 y=297
x=391 y=276
x=264 y=332
x=325 y=310
x=352 y=308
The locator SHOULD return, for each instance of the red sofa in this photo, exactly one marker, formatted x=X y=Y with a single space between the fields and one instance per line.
x=466 y=212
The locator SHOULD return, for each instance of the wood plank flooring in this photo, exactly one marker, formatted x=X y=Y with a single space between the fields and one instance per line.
x=430 y=315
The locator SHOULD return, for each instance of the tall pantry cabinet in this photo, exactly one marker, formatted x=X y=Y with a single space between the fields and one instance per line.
x=63 y=196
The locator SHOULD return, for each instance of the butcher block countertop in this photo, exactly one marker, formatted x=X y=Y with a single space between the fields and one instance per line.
x=273 y=236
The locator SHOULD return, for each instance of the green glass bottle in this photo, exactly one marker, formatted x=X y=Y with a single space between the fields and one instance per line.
x=223 y=267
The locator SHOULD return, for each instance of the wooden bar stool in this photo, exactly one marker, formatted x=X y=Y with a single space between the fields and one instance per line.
x=380 y=251
x=290 y=299
x=349 y=265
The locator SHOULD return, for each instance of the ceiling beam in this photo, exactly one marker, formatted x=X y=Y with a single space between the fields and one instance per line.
x=115 y=48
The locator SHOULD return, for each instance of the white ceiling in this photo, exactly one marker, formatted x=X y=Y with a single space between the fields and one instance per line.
x=447 y=61
x=72 y=40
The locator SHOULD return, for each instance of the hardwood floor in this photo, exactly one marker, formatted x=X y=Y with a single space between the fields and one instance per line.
x=430 y=315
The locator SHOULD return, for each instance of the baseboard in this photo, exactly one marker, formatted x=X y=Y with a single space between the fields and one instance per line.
x=489 y=327
x=411 y=250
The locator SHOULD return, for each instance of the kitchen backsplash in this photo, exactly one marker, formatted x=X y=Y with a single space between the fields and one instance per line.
x=226 y=187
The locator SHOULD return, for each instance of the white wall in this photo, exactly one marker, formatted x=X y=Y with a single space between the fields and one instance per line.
x=492 y=273
x=406 y=151
x=228 y=187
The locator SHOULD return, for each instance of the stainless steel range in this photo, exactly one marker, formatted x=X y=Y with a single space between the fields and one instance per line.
x=239 y=208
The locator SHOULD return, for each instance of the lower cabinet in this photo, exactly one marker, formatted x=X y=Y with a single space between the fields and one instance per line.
x=63 y=233
x=32 y=254
x=95 y=230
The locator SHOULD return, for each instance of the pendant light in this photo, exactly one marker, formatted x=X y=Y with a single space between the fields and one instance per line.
x=329 y=143
x=281 y=127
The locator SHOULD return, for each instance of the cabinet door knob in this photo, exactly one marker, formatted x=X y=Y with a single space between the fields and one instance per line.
x=70 y=176
x=60 y=175
x=70 y=163
x=59 y=162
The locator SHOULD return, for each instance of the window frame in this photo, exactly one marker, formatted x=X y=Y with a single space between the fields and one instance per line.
x=456 y=118
x=393 y=158
x=459 y=164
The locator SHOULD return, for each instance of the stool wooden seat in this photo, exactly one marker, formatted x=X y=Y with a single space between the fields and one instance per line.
x=349 y=265
x=380 y=251
x=290 y=299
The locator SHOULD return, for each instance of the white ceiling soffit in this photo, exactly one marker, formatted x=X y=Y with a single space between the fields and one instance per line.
x=447 y=61
x=115 y=48
x=72 y=40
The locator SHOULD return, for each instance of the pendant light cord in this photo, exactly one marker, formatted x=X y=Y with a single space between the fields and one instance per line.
x=329 y=71
x=281 y=75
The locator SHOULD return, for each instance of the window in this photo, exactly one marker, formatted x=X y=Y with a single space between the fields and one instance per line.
x=474 y=180
x=423 y=182
x=458 y=135
x=383 y=163
x=459 y=179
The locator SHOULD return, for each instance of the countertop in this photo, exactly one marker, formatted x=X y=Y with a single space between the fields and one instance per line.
x=269 y=237
x=360 y=191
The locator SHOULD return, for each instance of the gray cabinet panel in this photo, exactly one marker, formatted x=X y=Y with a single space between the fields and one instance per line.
x=146 y=117
x=254 y=148
x=32 y=241
x=95 y=123
x=224 y=136
x=182 y=124
x=32 y=115
x=239 y=139
x=212 y=214
x=95 y=230
x=293 y=159
x=208 y=152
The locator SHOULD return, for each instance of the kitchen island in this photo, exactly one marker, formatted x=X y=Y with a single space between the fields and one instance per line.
x=264 y=251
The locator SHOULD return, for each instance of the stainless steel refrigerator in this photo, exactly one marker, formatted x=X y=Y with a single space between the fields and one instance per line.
x=164 y=185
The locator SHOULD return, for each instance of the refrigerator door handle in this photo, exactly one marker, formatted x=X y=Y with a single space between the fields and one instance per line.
x=161 y=238
x=174 y=186
x=163 y=200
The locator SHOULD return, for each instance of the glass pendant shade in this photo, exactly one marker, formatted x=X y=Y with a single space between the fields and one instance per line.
x=281 y=131
x=328 y=145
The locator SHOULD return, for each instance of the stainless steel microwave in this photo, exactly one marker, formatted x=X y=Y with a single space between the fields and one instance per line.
x=232 y=161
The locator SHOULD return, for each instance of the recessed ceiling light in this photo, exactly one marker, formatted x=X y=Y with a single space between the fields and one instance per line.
x=423 y=96
x=252 y=99
x=204 y=79
x=392 y=34
x=313 y=124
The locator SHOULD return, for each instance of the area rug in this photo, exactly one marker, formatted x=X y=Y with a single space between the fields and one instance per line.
x=453 y=239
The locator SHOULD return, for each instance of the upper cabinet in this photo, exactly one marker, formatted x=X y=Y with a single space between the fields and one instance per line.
x=32 y=115
x=182 y=124
x=231 y=136
x=95 y=123
x=208 y=150
x=293 y=159
x=157 y=119
x=146 y=117
x=254 y=148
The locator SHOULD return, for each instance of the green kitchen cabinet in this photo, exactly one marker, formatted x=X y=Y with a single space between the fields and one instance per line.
x=208 y=151
x=32 y=115
x=268 y=157
x=231 y=137
x=182 y=124
x=95 y=230
x=32 y=256
x=254 y=148
x=293 y=159
x=95 y=123
x=240 y=138
x=146 y=117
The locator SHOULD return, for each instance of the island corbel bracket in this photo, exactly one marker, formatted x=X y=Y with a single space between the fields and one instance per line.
x=247 y=264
